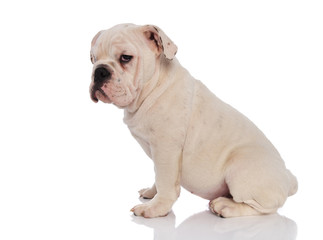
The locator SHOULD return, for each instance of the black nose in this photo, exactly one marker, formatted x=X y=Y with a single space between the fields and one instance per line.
x=101 y=74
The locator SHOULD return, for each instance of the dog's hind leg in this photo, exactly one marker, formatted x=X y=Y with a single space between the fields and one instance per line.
x=227 y=207
x=258 y=184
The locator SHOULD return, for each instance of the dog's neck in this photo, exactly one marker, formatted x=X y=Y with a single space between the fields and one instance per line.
x=163 y=77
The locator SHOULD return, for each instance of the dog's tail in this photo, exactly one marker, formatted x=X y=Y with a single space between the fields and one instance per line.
x=293 y=184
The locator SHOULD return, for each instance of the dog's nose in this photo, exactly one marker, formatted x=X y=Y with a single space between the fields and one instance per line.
x=101 y=74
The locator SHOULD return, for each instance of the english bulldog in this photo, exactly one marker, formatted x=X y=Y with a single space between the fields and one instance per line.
x=194 y=139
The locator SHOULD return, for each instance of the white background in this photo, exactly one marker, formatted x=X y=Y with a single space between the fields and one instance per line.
x=69 y=168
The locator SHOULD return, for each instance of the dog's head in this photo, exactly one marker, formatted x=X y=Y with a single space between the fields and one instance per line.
x=124 y=58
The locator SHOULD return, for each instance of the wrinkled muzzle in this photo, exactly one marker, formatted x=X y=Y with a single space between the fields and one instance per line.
x=101 y=76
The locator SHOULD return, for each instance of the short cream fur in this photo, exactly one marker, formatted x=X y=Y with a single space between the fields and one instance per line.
x=194 y=139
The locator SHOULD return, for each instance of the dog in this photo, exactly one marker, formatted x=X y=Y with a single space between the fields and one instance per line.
x=194 y=139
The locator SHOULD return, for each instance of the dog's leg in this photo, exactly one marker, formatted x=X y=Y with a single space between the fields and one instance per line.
x=148 y=193
x=257 y=186
x=167 y=170
x=227 y=207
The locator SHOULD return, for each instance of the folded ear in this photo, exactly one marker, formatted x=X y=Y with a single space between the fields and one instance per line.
x=96 y=38
x=93 y=43
x=159 y=41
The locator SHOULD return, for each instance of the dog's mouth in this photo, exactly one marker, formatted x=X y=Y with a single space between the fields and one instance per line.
x=98 y=94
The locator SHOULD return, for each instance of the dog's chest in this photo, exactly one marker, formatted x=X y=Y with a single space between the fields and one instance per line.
x=139 y=133
x=144 y=144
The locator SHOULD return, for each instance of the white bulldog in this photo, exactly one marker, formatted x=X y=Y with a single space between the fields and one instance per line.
x=194 y=139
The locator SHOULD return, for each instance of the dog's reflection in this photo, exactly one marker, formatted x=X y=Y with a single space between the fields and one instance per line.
x=205 y=225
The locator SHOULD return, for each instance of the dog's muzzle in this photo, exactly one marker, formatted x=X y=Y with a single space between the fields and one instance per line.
x=101 y=75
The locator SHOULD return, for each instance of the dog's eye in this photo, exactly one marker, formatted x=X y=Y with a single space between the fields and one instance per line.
x=125 y=58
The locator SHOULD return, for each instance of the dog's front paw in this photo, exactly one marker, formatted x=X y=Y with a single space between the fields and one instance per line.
x=148 y=193
x=152 y=209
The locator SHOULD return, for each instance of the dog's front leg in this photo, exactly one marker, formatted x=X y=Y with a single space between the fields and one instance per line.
x=167 y=182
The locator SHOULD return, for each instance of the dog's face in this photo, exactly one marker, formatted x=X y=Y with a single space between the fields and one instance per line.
x=124 y=58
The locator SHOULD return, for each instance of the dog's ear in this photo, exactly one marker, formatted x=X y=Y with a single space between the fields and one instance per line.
x=96 y=38
x=92 y=44
x=159 y=41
